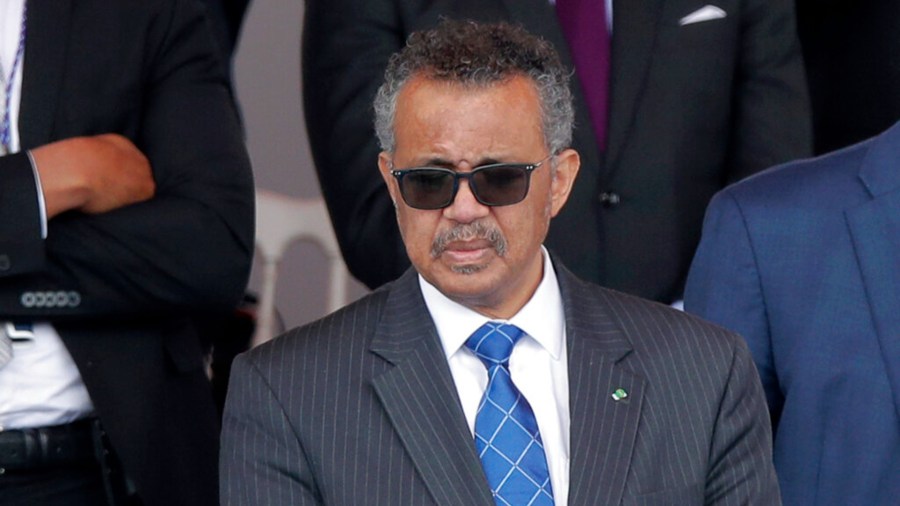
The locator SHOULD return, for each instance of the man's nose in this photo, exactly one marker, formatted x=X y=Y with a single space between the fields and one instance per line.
x=465 y=208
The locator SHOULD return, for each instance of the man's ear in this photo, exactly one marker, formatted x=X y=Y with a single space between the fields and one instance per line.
x=384 y=166
x=567 y=164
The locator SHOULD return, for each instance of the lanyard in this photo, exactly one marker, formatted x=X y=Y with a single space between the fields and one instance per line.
x=5 y=123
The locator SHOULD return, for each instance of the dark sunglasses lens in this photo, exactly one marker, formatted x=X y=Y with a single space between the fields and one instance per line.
x=501 y=185
x=427 y=189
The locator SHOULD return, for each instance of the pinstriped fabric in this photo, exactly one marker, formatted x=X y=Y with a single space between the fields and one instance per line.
x=693 y=429
x=359 y=408
x=316 y=417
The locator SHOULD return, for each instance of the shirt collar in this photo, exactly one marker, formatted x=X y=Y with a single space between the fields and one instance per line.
x=542 y=317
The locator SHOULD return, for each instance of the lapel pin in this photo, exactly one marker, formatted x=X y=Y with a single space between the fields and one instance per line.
x=619 y=394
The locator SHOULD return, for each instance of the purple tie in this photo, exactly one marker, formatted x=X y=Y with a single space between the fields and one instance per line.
x=584 y=23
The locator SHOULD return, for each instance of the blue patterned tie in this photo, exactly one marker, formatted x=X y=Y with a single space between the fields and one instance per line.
x=506 y=432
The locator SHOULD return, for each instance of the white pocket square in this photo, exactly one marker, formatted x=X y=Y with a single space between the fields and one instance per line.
x=705 y=13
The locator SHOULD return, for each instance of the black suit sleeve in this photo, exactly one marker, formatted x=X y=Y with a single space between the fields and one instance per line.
x=346 y=47
x=20 y=231
x=187 y=248
x=772 y=123
x=226 y=18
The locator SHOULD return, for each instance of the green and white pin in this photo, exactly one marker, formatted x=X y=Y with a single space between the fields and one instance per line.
x=619 y=394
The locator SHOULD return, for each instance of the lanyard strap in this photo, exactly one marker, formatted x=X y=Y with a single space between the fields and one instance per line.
x=6 y=123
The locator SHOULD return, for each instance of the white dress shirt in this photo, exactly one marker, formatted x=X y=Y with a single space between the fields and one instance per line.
x=41 y=385
x=538 y=365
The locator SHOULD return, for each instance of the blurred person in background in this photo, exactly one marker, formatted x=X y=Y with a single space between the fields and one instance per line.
x=674 y=99
x=852 y=56
x=126 y=212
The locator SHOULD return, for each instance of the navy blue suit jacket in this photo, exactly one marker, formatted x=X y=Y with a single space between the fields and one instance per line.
x=804 y=262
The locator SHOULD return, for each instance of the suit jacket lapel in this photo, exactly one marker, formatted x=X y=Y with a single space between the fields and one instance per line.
x=634 y=35
x=421 y=401
x=44 y=67
x=539 y=18
x=420 y=387
x=603 y=430
x=875 y=229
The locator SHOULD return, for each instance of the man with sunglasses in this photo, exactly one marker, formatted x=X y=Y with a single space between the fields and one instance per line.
x=488 y=373
x=673 y=99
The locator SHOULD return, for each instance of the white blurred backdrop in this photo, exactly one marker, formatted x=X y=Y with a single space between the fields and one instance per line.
x=267 y=82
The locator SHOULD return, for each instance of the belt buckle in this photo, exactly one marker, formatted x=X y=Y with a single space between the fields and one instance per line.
x=44 y=447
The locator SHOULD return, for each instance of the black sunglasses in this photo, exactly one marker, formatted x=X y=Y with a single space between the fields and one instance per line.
x=497 y=184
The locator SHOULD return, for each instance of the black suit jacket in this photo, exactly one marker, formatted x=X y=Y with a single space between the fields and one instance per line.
x=360 y=408
x=226 y=18
x=123 y=287
x=692 y=108
x=850 y=50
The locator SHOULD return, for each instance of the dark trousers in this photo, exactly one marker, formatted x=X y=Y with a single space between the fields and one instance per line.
x=79 y=485
x=65 y=465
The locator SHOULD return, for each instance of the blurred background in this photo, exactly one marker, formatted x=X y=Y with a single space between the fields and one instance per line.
x=267 y=83
x=850 y=48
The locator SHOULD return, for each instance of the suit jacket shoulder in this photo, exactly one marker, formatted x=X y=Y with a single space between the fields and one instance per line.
x=645 y=326
x=680 y=396
x=801 y=260
x=353 y=326
x=361 y=396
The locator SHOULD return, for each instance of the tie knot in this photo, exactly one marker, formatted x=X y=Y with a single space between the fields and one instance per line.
x=493 y=342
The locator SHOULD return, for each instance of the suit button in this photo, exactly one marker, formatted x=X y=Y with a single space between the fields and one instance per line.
x=28 y=299
x=610 y=199
x=5 y=264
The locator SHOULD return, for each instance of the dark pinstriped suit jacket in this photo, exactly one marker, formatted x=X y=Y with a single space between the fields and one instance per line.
x=359 y=408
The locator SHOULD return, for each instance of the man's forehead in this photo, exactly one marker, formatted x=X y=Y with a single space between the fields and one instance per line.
x=423 y=95
x=444 y=123
x=468 y=86
x=441 y=111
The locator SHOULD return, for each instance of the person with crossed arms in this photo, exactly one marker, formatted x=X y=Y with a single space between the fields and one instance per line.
x=126 y=216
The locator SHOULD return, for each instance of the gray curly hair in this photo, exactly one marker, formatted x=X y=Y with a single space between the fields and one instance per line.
x=478 y=54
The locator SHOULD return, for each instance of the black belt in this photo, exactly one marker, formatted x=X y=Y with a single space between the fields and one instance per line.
x=43 y=447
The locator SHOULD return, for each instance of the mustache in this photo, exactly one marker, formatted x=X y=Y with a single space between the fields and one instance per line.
x=468 y=232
